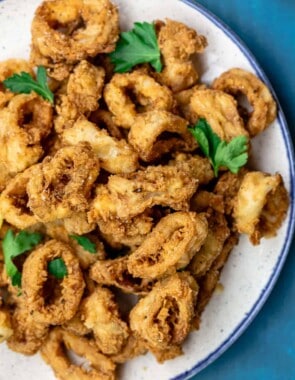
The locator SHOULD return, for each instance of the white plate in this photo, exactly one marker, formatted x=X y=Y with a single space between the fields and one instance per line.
x=251 y=272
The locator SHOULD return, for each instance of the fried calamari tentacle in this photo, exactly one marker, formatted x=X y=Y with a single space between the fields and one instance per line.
x=14 y=201
x=6 y=330
x=100 y=313
x=239 y=81
x=178 y=43
x=7 y=69
x=67 y=113
x=155 y=133
x=28 y=335
x=261 y=205
x=115 y=156
x=54 y=352
x=197 y=167
x=220 y=111
x=163 y=318
x=218 y=232
x=61 y=185
x=49 y=300
x=115 y=273
x=72 y=30
x=85 y=85
x=170 y=246
x=149 y=94
x=24 y=124
x=127 y=196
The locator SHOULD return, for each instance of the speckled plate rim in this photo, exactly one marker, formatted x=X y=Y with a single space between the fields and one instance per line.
x=245 y=322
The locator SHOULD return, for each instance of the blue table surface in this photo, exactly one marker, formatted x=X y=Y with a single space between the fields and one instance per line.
x=266 y=351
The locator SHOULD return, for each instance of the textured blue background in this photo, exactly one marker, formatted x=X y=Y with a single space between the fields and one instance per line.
x=266 y=351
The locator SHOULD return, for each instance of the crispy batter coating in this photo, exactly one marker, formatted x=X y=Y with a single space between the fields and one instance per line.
x=261 y=205
x=28 y=335
x=54 y=353
x=134 y=347
x=101 y=314
x=178 y=43
x=104 y=119
x=170 y=246
x=115 y=273
x=115 y=156
x=5 y=324
x=218 y=232
x=7 y=69
x=197 y=167
x=14 y=201
x=202 y=200
x=49 y=300
x=238 y=81
x=127 y=196
x=149 y=94
x=183 y=99
x=61 y=185
x=155 y=133
x=220 y=111
x=24 y=124
x=67 y=113
x=163 y=317
x=78 y=224
x=66 y=31
x=86 y=259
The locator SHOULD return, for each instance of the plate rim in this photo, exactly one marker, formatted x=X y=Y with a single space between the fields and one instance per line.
x=266 y=291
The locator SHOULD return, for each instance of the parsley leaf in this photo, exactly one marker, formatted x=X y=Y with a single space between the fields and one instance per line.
x=232 y=155
x=139 y=45
x=86 y=243
x=57 y=268
x=15 y=245
x=25 y=84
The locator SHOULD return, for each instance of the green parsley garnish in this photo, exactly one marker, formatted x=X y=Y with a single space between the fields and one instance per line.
x=24 y=83
x=85 y=243
x=139 y=45
x=15 y=245
x=232 y=155
x=57 y=268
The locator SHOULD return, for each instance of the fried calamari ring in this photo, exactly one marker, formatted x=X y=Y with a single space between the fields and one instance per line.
x=239 y=81
x=78 y=224
x=130 y=195
x=61 y=185
x=115 y=156
x=6 y=330
x=7 y=69
x=163 y=317
x=54 y=353
x=220 y=111
x=261 y=205
x=155 y=133
x=183 y=102
x=170 y=246
x=115 y=273
x=24 y=124
x=28 y=335
x=72 y=30
x=133 y=348
x=149 y=94
x=218 y=232
x=62 y=302
x=14 y=200
x=178 y=43
x=100 y=313
x=104 y=119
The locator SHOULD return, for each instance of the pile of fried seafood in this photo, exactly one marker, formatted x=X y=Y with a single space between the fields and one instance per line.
x=113 y=160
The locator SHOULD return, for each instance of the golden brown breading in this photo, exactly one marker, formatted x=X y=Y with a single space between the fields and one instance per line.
x=104 y=119
x=134 y=347
x=61 y=185
x=183 y=99
x=238 y=81
x=54 y=353
x=6 y=330
x=170 y=246
x=157 y=132
x=127 y=196
x=261 y=205
x=150 y=95
x=163 y=317
x=178 y=43
x=115 y=273
x=100 y=313
x=202 y=200
x=78 y=224
x=115 y=156
x=48 y=299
